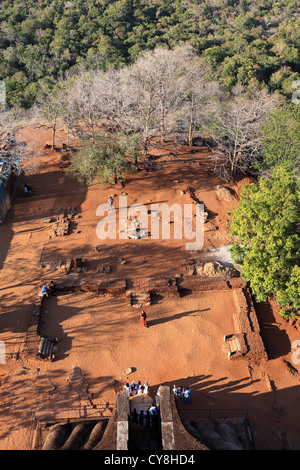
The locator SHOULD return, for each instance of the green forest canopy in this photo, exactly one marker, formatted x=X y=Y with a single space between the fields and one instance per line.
x=253 y=43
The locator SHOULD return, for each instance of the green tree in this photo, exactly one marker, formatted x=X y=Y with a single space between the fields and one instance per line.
x=132 y=146
x=267 y=242
x=101 y=158
x=281 y=137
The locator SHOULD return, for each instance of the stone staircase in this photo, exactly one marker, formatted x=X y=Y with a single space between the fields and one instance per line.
x=144 y=437
x=138 y=298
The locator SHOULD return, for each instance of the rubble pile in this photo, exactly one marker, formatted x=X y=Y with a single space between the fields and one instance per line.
x=61 y=225
x=216 y=269
x=211 y=269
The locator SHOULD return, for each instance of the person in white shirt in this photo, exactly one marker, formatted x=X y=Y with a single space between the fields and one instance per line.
x=110 y=203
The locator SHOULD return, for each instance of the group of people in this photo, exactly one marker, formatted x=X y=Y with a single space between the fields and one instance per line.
x=148 y=418
x=151 y=416
x=180 y=392
x=136 y=388
x=48 y=289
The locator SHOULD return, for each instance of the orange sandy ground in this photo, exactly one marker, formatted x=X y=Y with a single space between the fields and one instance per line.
x=183 y=344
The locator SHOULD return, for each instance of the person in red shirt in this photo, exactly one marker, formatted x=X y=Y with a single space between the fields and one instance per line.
x=143 y=319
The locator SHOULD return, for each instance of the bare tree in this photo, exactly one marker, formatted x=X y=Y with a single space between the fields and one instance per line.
x=235 y=130
x=167 y=68
x=13 y=150
x=49 y=108
x=159 y=84
x=68 y=111
x=201 y=93
x=141 y=87
x=117 y=102
x=163 y=91
x=168 y=90
x=84 y=101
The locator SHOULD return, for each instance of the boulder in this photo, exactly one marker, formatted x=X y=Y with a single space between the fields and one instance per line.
x=224 y=193
x=216 y=269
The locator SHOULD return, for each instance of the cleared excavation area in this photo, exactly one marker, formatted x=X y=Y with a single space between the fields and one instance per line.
x=101 y=336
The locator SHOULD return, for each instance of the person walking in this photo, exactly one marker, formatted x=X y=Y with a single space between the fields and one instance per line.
x=143 y=319
x=110 y=203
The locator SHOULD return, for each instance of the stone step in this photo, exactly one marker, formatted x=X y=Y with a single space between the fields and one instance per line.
x=144 y=438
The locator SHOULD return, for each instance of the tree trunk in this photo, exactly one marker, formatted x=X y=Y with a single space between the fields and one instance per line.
x=234 y=157
x=146 y=141
x=191 y=128
x=53 y=133
x=68 y=135
x=191 y=134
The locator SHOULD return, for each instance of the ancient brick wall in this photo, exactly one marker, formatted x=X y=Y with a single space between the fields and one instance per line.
x=246 y=322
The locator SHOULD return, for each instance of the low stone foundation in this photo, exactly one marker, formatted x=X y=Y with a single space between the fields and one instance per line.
x=200 y=284
x=137 y=293
x=246 y=338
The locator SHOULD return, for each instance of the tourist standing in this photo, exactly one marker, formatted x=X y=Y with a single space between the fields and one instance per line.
x=143 y=319
x=110 y=203
x=187 y=396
